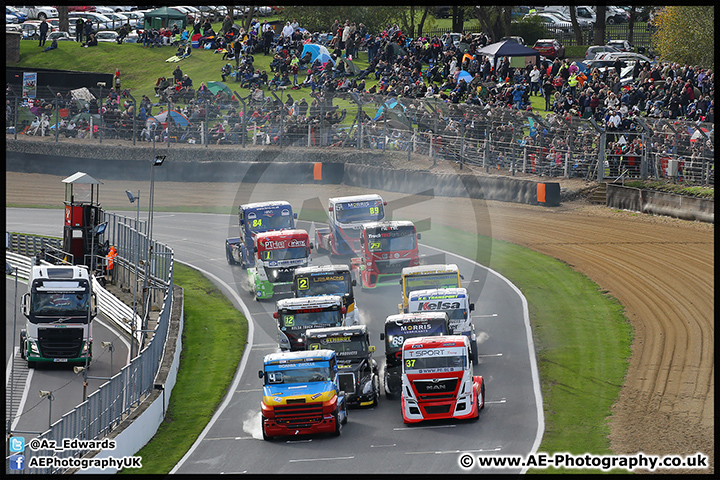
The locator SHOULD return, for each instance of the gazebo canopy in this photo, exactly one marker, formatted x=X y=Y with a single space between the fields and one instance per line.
x=507 y=48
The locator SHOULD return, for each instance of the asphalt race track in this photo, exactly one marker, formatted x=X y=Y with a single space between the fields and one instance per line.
x=374 y=440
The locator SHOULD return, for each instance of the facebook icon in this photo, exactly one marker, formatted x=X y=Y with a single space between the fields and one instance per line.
x=17 y=462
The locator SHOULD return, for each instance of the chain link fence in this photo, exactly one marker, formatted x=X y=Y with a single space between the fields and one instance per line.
x=113 y=401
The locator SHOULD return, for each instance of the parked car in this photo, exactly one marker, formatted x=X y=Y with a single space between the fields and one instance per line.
x=107 y=36
x=550 y=48
x=60 y=36
x=593 y=50
x=76 y=8
x=118 y=19
x=31 y=29
x=120 y=8
x=515 y=39
x=551 y=20
x=136 y=19
x=455 y=38
x=100 y=21
x=14 y=11
x=38 y=12
x=621 y=45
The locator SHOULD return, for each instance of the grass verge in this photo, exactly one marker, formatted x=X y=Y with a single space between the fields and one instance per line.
x=213 y=339
x=581 y=336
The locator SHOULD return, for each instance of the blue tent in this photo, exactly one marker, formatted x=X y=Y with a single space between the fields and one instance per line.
x=318 y=52
x=508 y=48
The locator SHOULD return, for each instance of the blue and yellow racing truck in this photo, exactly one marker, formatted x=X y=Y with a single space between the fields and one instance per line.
x=301 y=394
x=256 y=218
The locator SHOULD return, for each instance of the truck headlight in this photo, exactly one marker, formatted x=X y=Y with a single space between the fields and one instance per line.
x=367 y=386
x=85 y=347
x=34 y=348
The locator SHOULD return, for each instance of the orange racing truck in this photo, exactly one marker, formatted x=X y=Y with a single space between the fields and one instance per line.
x=438 y=381
x=385 y=249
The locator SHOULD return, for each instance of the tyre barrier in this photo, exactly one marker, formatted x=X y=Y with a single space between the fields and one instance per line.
x=661 y=203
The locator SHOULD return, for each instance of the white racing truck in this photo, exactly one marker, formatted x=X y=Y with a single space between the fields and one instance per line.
x=453 y=301
x=296 y=315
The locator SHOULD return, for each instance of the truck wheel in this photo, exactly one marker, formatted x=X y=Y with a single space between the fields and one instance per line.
x=475 y=354
x=338 y=427
x=266 y=437
x=22 y=345
x=345 y=412
x=31 y=364
x=228 y=255
x=482 y=394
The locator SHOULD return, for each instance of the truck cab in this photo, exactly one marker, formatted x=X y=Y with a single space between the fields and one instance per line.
x=277 y=255
x=399 y=328
x=345 y=218
x=328 y=280
x=301 y=394
x=358 y=376
x=385 y=249
x=427 y=276
x=296 y=315
x=438 y=381
x=255 y=218
x=59 y=307
x=456 y=303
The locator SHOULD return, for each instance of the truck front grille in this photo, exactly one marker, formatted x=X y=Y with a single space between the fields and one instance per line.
x=60 y=342
x=444 y=386
x=299 y=415
x=437 y=409
x=387 y=267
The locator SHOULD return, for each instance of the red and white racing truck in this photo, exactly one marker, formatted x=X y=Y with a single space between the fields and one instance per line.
x=385 y=249
x=277 y=255
x=438 y=380
x=345 y=218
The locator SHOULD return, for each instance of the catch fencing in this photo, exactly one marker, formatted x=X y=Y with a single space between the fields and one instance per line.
x=114 y=400
x=497 y=137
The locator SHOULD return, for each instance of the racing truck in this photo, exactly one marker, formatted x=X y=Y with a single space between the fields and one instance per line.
x=59 y=307
x=427 y=276
x=438 y=380
x=385 y=249
x=345 y=218
x=256 y=218
x=301 y=394
x=328 y=280
x=277 y=255
x=358 y=377
x=295 y=315
x=456 y=303
x=399 y=328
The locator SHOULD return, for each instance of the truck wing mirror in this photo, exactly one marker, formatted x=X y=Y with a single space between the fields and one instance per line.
x=382 y=336
x=295 y=216
x=343 y=310
x=93 y=304
x=472 y=307
x=276 y=315
x=25 y=304
x=400 y=282
x=354 y=282
x=419 y=236
x=261 y=374
x=311 y=246
x=461 y=276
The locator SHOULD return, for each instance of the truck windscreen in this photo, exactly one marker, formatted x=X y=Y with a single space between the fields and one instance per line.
x=437 y=280
x=263 y=220
x=303 y=319
x=359 y=212
x=50 y=305
x=323 y=285
x=391 y=241
x=343 y=346
x=317 y=373
x=396 y=334
x=284 y=254
x=438 y=364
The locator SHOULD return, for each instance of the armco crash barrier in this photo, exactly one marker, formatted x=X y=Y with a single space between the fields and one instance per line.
x=661 y=203
x=504 y=189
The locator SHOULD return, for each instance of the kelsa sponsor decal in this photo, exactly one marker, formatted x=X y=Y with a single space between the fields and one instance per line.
x=439 y=305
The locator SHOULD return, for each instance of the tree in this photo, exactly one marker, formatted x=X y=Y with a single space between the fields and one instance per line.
x=600 y=12
x=686 y=34
x=494 y=20
x=63 y=20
